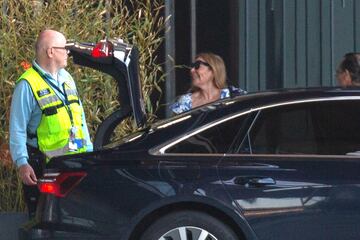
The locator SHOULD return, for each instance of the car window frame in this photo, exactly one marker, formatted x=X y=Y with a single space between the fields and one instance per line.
x=161 y=149
x=251 y=128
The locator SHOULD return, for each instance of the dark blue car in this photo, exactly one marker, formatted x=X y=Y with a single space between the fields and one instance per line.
x=268 y=165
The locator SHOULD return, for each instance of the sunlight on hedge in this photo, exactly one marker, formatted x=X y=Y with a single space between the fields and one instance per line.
x=137 y=22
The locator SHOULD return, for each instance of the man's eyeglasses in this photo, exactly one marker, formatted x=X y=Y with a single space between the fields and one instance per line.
x=64 y=48
x=197 y=64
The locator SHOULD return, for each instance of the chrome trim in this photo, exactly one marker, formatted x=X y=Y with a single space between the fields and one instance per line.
x=46 y=180
x=342 y=98
x=135 y=137
x=160 y=150
x=51 y=174
x=262 y=155
x=173 y=122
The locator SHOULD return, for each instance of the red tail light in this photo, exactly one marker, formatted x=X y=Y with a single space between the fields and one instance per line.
x=60 y=184
x=102 y=49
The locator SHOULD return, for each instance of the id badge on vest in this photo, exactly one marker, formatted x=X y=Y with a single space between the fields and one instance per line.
x=74 y=143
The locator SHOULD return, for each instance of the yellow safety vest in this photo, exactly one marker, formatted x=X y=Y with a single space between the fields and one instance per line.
x=61 y=122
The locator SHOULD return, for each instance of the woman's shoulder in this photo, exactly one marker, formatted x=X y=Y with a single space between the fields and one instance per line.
x=182 y=104
x=231 y=91
x=185 y=97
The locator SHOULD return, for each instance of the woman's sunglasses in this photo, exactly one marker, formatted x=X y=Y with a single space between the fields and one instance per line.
x=197 y=64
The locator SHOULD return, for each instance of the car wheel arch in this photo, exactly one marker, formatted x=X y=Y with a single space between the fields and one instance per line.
x=240 y=228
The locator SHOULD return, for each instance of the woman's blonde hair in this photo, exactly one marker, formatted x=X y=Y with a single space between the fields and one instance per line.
x=217 y=66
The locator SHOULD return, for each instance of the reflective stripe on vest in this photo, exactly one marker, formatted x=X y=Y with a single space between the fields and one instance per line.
x=63 y=151
x=53 y=133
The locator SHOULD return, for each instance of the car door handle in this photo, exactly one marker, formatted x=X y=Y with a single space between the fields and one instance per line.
x=254 y=181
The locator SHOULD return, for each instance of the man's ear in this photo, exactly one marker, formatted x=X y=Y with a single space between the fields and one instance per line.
x=49 y=52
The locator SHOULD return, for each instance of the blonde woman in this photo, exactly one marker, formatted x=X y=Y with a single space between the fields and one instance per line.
x=208 y=74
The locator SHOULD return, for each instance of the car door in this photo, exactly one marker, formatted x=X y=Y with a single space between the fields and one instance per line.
x=294 y=174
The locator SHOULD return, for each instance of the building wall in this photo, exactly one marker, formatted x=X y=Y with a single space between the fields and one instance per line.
x=294 y=43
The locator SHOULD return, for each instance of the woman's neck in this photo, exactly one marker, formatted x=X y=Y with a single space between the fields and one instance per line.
x=205 y=95
x=209 y=94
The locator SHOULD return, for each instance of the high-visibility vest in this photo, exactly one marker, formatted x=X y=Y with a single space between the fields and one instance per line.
x=59 y=118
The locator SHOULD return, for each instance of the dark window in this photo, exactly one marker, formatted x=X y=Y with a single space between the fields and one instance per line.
x=326 y=128
x=217 y=139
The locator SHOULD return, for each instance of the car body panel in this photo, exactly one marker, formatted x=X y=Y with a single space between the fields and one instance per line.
x=116 y=208
x=307 y=191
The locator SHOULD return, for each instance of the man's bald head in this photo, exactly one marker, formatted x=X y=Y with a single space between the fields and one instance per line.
x=50 y=50
x=47 y=39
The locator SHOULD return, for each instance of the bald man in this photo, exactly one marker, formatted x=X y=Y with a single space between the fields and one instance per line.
x=46 y=115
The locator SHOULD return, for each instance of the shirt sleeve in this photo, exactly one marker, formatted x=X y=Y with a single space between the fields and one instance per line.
x=236 y=91
x=182 y=104
x=22 y=105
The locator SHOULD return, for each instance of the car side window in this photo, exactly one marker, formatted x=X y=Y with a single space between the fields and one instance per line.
x=325 y=128
x=216 y=139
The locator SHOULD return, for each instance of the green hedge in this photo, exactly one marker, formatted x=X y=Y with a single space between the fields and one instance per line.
x=137 y=22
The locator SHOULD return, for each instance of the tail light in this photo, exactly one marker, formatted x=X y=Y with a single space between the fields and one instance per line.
x=103 y=49
x=60 y=184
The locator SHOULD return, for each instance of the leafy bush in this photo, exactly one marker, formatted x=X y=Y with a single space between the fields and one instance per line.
x=137 y=22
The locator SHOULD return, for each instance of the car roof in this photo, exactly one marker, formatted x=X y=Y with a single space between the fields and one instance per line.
x=261 y=98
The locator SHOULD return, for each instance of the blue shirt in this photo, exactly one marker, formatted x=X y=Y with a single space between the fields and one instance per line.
x=25 y=116
x=184 y=102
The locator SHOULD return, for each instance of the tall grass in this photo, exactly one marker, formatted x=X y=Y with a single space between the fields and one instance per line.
x=11 y=199
x=137 y=22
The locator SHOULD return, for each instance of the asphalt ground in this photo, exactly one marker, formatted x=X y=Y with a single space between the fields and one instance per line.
x=10 y=223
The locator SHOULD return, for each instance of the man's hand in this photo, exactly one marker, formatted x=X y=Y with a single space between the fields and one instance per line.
x=27 y=175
